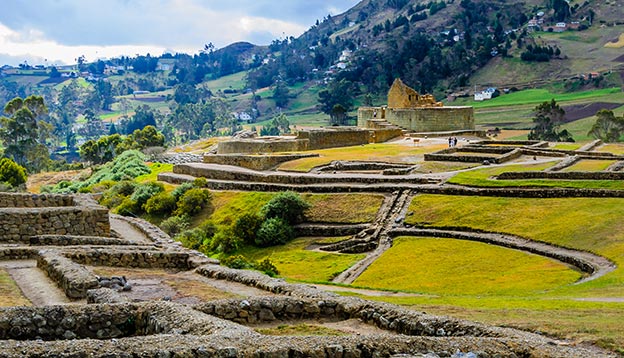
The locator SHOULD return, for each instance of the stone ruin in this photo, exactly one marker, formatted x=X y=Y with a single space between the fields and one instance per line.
x=401 y=95
x=110 y=324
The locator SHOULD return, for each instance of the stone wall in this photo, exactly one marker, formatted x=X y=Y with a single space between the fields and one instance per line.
x=74 y=279
x=563 y=175
x=26 y=215
x=255 y=162
x=19 y=200
x=425 y=119
x=264 y=145
x=136 y=258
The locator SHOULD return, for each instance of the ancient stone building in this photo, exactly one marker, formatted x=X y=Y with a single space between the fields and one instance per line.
x=412 y=111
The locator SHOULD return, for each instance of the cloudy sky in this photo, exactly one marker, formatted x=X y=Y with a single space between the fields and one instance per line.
x=59 y=31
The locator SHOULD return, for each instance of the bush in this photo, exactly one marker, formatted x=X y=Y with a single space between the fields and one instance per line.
x=225 y=241
x=193 y=201
x=175 y=225
x=236 y=262
x=286 y=205
x=160 y=204
x=274 y=231
x=267 y=267
x=246 y=226
x=181 y=189
x=128 y=207
x=192 y=238
x=144 y=192
x=12 y=173
x=200 y=182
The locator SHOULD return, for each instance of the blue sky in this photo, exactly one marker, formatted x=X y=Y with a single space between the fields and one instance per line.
x=59 y=31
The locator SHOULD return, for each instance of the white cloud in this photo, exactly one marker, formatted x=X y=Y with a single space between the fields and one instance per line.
x=62 y=30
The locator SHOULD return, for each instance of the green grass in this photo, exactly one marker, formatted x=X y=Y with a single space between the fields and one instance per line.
x=234 y=81
x=296 y=263
x=481 y=177
x=615 y=148
x=302 y=329
x=156 y=168
x=446 y=266
x=537 y=96
x=589 y=166
x=387 y=152
x=567 y=146
x=343 y=208
x=10 y=294
x=226 y=206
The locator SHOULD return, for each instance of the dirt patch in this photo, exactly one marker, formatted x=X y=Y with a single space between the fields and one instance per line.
x=185 y=287
x=35 y=285
x=346 y=327
x=579 y=111
x=36 y=181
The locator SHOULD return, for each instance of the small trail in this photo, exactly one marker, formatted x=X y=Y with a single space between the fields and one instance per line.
x=127 y=231
x=396 y=213
x=35 y=285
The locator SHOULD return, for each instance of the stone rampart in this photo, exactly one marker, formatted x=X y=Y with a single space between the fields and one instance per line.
x=135 y=258
x=26 y=215
x=422 y=119
x=255 y=162
x=263 y=145
x=606 y=175
x=19 y=200
x=74 y=279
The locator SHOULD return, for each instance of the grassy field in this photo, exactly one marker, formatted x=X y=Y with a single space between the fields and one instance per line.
x=615 y=148
x=589 y=165
x=343 y=208
x=481 y=177
x=296 y=263
x=590 y=311
x=446 y=266
x=10 y=294
x=233 y=81
x=388 y=152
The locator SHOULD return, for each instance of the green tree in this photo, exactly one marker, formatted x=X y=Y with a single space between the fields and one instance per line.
x=608 y=127
x=102 y=150
x=286 y=205
x=20 y=132
x=246 y=226
x=337 y=100
x=274 y=231
x=280 y=94
x=548 y=117
x=12 y=173
x=148 y=137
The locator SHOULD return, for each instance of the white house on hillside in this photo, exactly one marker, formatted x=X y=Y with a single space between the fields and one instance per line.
x=486 y=94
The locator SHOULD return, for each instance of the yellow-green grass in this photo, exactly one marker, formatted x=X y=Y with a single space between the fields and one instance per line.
x=589 y=224
x=440 y=167
x=302 y=329
x=615 y=148
x=589 y=166
x=10 y=294
x=579 y=321
x=343 y=208
x=616 y=44
x=580 y=129
x=296 y=263
x=199 y=146
x=537 y=96
x=234 y=81
x=385 y=152
x=447 y=266
x=156 y=168
x=567 y=146
x=226 y=206
x=481 y=177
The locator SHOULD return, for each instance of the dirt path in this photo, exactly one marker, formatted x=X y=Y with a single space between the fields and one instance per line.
x=396 y=213
x=127 y=231
x=35 y=284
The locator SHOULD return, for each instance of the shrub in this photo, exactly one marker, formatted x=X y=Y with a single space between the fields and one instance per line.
x=144 y=192
x=193 y=201
x=192 y=238
x=267 y=267
x=12 y=173
x=246 y=226
x=286 y=205
x=225 y=241
x=200 y=182
x=161 y=203
x=128 y=207
x=181 y=189
x=274 y=231
x=236 y=262
x=175 y=224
